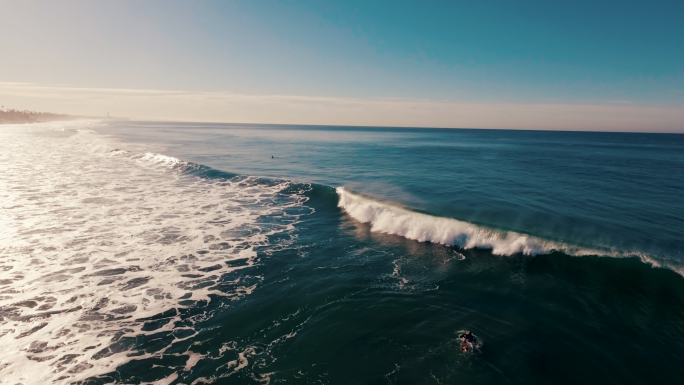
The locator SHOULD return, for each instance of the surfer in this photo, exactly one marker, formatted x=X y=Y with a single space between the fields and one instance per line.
x=468 y=341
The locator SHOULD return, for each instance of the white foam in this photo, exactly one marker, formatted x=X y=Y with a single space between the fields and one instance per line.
x=161 y=159
x=92 y=239
x=392 y=219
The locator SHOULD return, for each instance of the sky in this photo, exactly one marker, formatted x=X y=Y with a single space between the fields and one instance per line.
x=589 y=65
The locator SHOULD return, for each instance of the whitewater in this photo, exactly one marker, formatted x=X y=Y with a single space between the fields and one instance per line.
x=94 y=240
x=168 y=253
x=389 y=218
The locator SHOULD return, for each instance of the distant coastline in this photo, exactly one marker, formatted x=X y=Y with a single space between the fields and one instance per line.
x=8 y=116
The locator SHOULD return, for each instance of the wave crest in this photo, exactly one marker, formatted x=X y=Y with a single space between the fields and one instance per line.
x=392 y=219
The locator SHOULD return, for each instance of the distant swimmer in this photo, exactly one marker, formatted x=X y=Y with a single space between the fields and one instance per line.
x=272 y=157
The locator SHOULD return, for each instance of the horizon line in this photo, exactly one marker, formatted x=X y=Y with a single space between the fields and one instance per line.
x=282 y=109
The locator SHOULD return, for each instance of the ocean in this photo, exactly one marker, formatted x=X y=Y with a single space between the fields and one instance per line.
x=196 y=253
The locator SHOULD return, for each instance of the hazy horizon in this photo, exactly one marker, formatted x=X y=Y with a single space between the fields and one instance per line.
x=612 y=66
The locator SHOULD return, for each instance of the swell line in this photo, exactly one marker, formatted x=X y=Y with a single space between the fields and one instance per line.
x=389 y=218
x=393 y=219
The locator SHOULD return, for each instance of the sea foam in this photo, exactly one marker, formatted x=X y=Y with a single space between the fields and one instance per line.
x=390 y=218
x=95 y=239
x=393 y=219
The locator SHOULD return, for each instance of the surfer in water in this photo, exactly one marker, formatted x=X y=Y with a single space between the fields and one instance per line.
x=468 y=341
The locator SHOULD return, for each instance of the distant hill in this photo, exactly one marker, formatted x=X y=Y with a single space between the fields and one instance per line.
x=25 y=116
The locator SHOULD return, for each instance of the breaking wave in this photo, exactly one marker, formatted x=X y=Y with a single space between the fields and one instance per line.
x=389 y=218
x=101 y=245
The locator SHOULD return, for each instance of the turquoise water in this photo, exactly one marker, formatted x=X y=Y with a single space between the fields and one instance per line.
x=368 y=249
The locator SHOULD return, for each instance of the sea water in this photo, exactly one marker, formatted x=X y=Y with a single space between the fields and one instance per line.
x=136 y=252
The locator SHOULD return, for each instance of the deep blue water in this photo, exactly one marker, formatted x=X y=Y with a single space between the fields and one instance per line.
x=359 y=306
x=616 y=190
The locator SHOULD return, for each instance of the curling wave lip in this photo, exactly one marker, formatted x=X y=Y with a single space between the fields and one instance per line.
x=393 y=219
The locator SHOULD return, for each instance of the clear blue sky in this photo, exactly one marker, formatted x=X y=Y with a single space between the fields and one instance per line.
x=524 y=51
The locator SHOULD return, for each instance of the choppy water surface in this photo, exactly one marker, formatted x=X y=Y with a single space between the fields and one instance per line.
x=189 y=253
x=98 y=240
